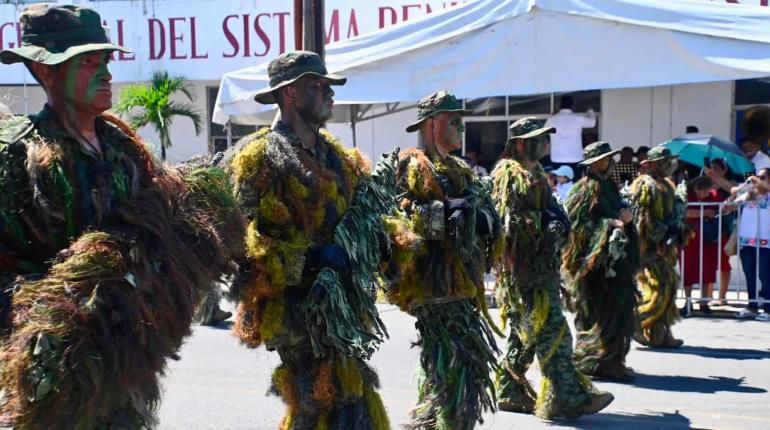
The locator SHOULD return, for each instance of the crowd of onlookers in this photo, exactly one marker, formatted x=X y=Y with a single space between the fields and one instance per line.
x=719 y=233
x=740 y=228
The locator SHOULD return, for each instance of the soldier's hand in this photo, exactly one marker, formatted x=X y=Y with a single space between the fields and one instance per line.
x=626 y=216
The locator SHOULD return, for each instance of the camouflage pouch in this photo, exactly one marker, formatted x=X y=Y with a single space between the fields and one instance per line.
x=436 y=228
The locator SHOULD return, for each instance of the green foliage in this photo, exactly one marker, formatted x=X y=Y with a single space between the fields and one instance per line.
x=155 y=106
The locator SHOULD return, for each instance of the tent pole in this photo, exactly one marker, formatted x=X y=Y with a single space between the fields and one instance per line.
x=229 y=129
x=353 y=115
x=307 y=25
x=319 y=37
x=298 y=12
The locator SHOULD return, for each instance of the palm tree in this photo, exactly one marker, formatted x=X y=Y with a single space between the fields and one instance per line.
x=156 y=107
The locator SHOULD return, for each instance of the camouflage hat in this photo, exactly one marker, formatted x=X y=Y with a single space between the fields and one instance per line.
x=658 y=153
x=597 y=151
x=434 y=104
x=54 y=34
x=287 y=68
x=529 y=127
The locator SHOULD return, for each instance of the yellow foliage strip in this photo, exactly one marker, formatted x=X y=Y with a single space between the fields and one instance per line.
x=349 y=376
x=247 y=164
x=420 y=180
x=377 y=412
x=284 y=383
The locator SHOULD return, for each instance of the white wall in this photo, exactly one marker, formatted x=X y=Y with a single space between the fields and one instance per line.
x=649 y=116
x=379 y=135
x=630 y=117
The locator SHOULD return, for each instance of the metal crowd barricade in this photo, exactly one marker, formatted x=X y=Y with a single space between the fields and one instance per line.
x=737 y=272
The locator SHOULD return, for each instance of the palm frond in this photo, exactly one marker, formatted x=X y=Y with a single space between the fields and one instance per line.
x=155 y=106
x=186 y=110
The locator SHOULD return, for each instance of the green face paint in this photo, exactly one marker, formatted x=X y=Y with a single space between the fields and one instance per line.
x=86 y=83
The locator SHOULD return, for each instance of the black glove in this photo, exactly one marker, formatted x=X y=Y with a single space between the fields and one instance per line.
x=554 y=212
x=332 y=256
x=456 y=211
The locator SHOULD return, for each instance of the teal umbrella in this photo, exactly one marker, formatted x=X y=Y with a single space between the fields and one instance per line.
x=700 y=149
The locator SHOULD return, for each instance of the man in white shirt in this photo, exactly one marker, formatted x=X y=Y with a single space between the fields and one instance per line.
x=567 y=142
x=751 y=149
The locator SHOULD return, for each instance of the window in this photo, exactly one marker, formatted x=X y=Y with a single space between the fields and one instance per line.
x=217 y=132
x=529 y=105
x=488 y=106
x=487 y=139
x=584 y=100
x=487 y=127
x=752 y=91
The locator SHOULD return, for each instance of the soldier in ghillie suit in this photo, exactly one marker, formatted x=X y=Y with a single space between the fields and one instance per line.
x=659 y=210
x=600 y=261
x=443 y=238
x=527 y=268
x=103 y=253
x=313 y=250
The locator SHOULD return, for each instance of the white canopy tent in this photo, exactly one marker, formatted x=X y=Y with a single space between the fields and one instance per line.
x=516 y=47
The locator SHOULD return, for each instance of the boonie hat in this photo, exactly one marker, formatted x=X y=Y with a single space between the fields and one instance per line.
x=529 y=127
x=290 y=66
x=52 y=34
x=434 y=104
x=597 y=151
x=658 y=153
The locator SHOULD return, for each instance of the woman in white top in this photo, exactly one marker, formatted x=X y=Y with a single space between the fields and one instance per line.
x=754 y=236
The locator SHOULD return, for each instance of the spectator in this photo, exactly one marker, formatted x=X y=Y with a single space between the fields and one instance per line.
x=751 y=149
x=691 y=129
x=641 y=155
x=754 y=236
x=564 y=184
x=472 y=158
x=626 y=170
x=719 y=172
x=702 y=190
x=567 y=141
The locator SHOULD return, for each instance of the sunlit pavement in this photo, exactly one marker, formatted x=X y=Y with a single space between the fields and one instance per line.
x=718 y=380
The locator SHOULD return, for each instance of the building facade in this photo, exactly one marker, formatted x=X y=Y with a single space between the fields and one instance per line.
x=203 y=40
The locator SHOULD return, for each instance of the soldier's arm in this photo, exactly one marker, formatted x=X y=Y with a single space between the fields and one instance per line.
x=408 y=228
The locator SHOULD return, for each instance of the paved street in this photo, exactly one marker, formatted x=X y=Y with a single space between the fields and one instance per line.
x=718 y=380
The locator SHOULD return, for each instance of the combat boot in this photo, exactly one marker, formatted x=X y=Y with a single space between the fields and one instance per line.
x=671 y=342
x=217 y=316
x=598 y=402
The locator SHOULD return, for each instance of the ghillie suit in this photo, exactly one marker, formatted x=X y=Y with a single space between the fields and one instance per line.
x=659 y=211
x=320 y=319
x=107 y=258
x=527 y=265
x=437 y=275
x=600 y=264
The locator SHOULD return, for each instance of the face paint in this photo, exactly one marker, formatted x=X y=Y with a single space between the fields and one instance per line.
x=536 y=147
x=87 y=85
x=314 y=100
x=667 y=167
x=448 y=132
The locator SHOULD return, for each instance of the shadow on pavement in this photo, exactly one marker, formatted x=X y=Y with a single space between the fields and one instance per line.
x=226 y=325
x=704 y=351
x=692 y=384
x=652 y=420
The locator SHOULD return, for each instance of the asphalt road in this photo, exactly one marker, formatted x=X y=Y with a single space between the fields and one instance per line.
x=718 y=380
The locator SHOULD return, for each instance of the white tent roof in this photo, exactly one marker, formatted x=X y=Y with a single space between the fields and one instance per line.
x=515 y=47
